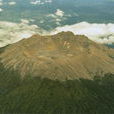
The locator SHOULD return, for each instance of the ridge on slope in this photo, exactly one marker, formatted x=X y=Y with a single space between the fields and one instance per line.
x=61 y=56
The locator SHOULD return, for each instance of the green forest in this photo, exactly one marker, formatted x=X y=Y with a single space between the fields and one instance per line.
x=44 y=96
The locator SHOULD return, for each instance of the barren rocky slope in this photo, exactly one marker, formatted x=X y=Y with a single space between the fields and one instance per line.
x=61 y=56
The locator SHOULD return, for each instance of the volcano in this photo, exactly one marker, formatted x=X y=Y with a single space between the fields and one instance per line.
x=58 y=57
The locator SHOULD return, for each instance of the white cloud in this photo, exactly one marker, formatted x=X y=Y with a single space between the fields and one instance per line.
x=59 y=13
x=1 y=3
x=11 y=3
x=31 y=20
x=13 y=32
x=1 y=9
x=58 y=16
x=25 y=21
x=42 y=21
x=39 y=2
x=48 y=1
x=101 y=33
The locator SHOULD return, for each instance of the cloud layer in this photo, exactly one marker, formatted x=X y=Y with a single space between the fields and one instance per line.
x=13 y=32
x=101 y=33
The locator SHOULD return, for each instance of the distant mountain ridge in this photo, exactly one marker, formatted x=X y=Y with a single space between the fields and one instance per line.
x=61 y=56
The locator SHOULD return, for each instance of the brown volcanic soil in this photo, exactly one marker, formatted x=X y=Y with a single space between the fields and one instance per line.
x=61 y=56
